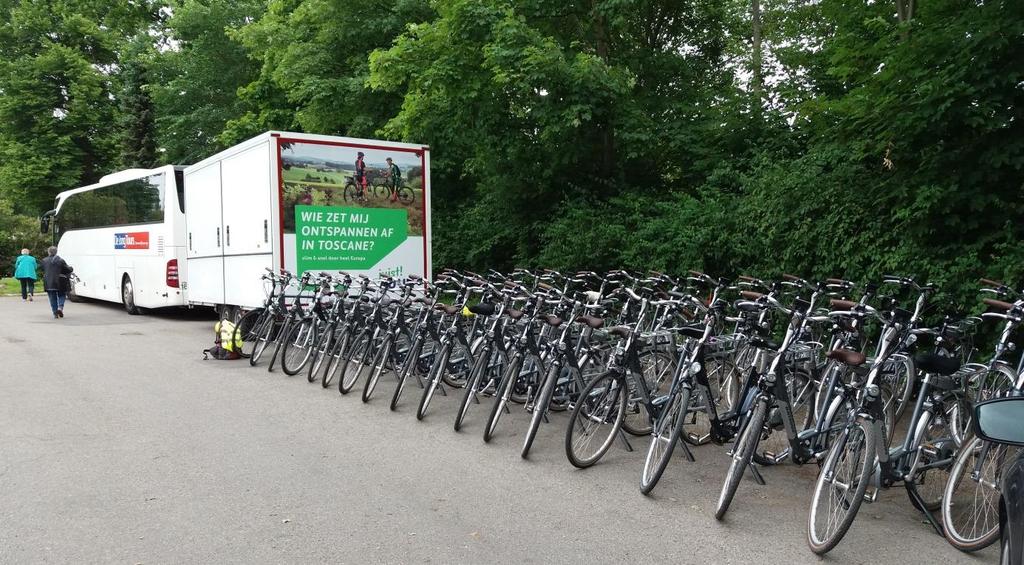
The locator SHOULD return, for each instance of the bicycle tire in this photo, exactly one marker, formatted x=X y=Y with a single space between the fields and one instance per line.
x=351 y=192
x=539 y=409
x=295 y=357
x=588 y=405
x=245 y=330
x=457 y=372
x=321 y=354
x=479 y=365
x=359 y=353
x=380 y=361
x=956 y=534
x=501 y=398
x=338 y=353
x=408 y=368
x=434 y=378
x=865 y=462
x=741 y=456
x=279 y=343
x=265 y=335
x=672 y=418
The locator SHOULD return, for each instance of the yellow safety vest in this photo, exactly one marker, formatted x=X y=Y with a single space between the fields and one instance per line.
x=229 y=338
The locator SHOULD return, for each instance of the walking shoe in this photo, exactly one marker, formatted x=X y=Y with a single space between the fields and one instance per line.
x=60 y=313
x=30 y=299
x=55 y=316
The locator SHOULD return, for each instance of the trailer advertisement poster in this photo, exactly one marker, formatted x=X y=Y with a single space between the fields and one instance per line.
x=354 y=209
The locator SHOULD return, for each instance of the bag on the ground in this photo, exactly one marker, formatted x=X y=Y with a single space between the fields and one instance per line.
x=227 y=343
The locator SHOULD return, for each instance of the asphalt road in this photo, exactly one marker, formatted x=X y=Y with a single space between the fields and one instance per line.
x=121 y=445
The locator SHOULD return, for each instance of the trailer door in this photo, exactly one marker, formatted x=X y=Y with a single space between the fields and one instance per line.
x=204 y=237
x=248 y=232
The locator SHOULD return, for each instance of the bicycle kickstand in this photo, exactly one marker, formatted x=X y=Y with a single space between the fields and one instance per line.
x=758 y=478
x=686 y=450
x=918 y=502
x=625 y=441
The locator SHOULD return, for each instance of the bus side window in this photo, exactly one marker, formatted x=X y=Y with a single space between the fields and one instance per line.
x=179 y=180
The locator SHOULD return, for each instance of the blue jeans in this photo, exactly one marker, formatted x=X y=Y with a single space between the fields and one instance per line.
x=57 y=299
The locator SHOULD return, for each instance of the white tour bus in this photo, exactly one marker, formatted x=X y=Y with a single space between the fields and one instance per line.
x=125 y=237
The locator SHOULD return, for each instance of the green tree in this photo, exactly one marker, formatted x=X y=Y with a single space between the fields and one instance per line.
x=58 y=64
x=137 y=118
x=198 y=73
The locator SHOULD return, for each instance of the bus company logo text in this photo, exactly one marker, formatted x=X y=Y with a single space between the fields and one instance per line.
x=132 y=240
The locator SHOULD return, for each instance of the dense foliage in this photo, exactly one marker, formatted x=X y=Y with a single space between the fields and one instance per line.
x=829 y=138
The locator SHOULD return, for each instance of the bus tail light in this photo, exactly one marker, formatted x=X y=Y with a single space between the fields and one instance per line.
x=172 y=273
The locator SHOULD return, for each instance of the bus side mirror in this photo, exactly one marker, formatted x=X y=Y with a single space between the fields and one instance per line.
x=44 y=221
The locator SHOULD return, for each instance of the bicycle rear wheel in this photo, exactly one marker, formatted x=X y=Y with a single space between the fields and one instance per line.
x=598 y=415
x=658 y=368
x=839 y=490
x=741 y=455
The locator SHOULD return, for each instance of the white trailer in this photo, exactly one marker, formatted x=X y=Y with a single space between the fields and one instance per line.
x=295 y=201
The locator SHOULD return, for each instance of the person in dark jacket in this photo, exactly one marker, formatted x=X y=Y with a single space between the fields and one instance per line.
x=56 y=281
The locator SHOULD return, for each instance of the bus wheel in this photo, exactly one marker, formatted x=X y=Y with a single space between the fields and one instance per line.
x=128 y=296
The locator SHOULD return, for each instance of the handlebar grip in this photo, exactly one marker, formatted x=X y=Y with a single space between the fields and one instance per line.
x=751 y=295
x=697 y=274
x=545 y=286
x=791 y=278
x=842 y=304
x=745 y=278
x=837 y=281
x=999 y=304
x=991 y=282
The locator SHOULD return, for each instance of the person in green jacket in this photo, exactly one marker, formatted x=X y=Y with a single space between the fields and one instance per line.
x=25 y=271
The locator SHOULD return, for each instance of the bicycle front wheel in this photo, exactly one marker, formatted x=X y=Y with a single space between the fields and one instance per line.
x=501 y=397
x=298 y=347
x=667 y=429
x=247 y=330
x=378 y=366
x=839 y=490
x=433 y=381
x=595 y=420
x=742 y=453
x=357 y=363
x=479 y=367
x=970 y=505
x=540 y=407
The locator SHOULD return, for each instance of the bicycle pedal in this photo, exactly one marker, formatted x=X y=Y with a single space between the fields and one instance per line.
x=872 y=495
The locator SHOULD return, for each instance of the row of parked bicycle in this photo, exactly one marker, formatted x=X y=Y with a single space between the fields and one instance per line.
x=789 y=370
